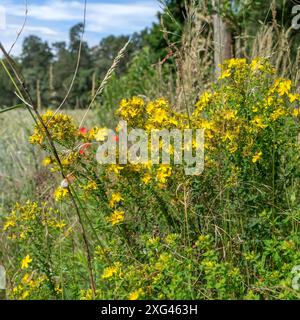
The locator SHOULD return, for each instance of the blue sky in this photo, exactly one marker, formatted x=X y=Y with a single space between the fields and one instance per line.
x=52 y=19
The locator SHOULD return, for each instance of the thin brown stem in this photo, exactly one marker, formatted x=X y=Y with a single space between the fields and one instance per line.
x=55 y=153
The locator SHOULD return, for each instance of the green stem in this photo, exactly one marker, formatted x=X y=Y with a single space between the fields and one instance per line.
x=12 y=108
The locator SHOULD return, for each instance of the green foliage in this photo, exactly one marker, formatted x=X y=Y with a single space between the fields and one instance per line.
x=173 y=18
x=144 y=231
x=231 y=232
x=141 y=78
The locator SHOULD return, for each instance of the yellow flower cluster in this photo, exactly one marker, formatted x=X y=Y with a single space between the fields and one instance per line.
x=60 y=193
x=234 y=116
x=90 y=186
x=111 y=271
x=115 y=198
x=29 y=283
x=25 y=262
x=247 y=105
x=60 y=126
x=131 y=108
x=152 y=115
x=231 y=116
x=19 y=224
x=137 y=294
x=163 y=172
x=116 y=217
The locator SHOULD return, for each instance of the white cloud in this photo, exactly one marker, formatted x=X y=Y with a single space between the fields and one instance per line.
x=41 y=30
x=9 y=35
x=2 y=18
x=61 y=10
x=113 y=17
x=51 y=20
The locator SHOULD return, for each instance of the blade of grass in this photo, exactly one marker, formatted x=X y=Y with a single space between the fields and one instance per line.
x=11 y=108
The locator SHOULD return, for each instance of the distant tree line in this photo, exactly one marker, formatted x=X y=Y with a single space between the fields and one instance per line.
x=48 y=69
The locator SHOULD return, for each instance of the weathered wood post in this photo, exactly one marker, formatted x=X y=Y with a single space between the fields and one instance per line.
x=223 y=48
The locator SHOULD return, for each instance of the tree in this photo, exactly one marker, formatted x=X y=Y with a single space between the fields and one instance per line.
x=36 y=58
x=107 y=50
x=75 y=40
x=36 y=54
x=7 y=96
x=172 y=17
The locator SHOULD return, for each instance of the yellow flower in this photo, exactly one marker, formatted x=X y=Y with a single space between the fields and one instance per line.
x=228 y=136
x=25 y=262
x=9 y=224
x=101 y=134
x=60 y=193
x=25 y=295
x=86 y=294
x=47 y=161
x=296 y=112
x=110 y=271
x=131 y=108
x=36 y=138
x=173 y=121
x=283 y=86
x=229 y=114
x=293 y=97
x=270 y=100
x=236 y=63
x=146 y=178
x=163 y=173
x=68 y=159
x=115 y=168
x=159 y=115
x=58 y=289
x=209 y=264
x=255 y=64
x=22 y=235
x=205 y=98
x=91 y=185
x=256 y=157
x=93 y=132
x=258 y=122
x=225 y=74
x=60 y=126
x=60 y=225
x=148 y=165
x=208 y=125
x=157 y=104
x=117 y=217
x=277 y=114
x=115 y=198
x=17 y=290
x=135 y=294
x=26 y=278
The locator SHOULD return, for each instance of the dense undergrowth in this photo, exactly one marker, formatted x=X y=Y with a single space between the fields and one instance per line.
x=144 y=231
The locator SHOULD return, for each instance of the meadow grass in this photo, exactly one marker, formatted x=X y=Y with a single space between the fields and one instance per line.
x=22 y=175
